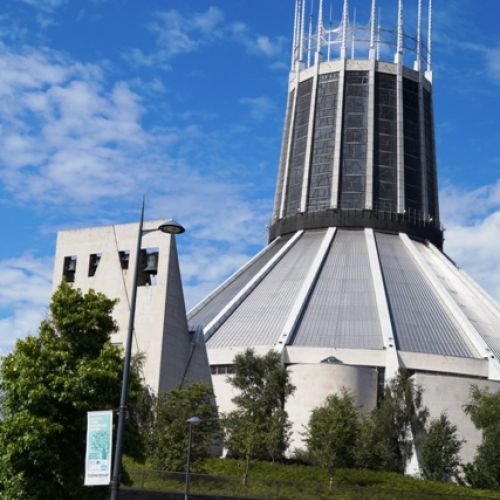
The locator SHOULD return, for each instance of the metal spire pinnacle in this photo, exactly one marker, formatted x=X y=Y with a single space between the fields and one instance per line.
x=418 y=60
x=353 y=35
x=399 y=50
x=320 y=29
x=309 y=38
x=295 y=32
x=373 y=21
x=302 y=23
x=379 y=29
x=345 y=14
x=429 y=38
x=330 y=27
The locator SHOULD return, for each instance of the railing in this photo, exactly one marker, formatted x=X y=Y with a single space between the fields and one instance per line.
x=358 y=45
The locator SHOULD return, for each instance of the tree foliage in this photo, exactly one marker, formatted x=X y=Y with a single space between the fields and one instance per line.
x=259 y=427
x=440 y=449
x=169 y=432
x=47 y=385
x=387 y=435
x=333 y=431
x=484 y=411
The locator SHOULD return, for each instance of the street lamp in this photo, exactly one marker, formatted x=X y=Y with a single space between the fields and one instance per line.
x=170 y=227
x=190 y=421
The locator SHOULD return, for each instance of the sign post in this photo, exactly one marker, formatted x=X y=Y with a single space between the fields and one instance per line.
x=98 y=452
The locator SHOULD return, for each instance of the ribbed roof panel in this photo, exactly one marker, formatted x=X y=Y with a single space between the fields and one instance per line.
x=421 y=322
x=482 y=318
x=342 y=310
x=262 y=315
x=208 y=309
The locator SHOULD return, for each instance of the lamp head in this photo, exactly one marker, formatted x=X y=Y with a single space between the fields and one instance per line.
x=171 y=226
x=194 y=420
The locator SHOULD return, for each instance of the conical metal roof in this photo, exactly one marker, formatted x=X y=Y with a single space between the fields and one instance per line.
x=352 y=289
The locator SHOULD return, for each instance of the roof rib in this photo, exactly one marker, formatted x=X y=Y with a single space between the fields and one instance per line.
x=305 y=291
x=230 y=307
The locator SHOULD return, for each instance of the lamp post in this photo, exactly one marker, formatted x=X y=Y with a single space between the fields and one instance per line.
x=190 y=421
x=170 y=227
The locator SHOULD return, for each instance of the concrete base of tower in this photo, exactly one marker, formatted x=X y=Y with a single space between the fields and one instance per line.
x=315 y=381
x=449 y=394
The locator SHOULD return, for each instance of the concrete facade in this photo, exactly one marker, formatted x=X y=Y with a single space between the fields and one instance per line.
x=315 y=382
x=449 y=394
x=172 y=354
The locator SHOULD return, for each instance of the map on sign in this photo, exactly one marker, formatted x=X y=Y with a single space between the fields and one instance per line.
x=98 y=452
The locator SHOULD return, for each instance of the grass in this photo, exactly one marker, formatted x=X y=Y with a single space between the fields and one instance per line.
x=301 y=482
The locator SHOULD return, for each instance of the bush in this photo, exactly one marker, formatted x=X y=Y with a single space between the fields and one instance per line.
x=168 y=439
x=440 y=451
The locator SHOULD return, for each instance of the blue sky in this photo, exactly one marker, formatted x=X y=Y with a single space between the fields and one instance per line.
x=183 y=100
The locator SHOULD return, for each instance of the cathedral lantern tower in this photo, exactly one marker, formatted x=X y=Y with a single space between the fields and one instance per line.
x=358 y=145
x=353 y=284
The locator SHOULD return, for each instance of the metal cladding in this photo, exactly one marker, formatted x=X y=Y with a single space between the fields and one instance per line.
x=340 y=307
x=359 y=128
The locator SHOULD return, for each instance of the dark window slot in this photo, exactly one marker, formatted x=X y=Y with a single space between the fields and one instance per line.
x=69 y=268
x=94 y=260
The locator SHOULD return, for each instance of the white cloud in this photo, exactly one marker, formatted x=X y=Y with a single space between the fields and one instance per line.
x=209 y=21
x=44 y=10
x=64 y=136
x=488 y=55
x=177 y=33
x=493 y=63
x=472 y=237
x=257 y=44
x=205 y=267
x=464 y=207
x=25 y=285
x=260 y=107
x=490 y=58
x=45 y=5
x=476 y=248
x=68 y=139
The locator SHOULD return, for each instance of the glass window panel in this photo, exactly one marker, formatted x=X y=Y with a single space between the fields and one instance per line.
x=354 y=141
x=385 y=154
x=320 y=173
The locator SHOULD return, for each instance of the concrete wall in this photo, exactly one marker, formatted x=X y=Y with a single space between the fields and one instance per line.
x=315 y=382
x=449 y=394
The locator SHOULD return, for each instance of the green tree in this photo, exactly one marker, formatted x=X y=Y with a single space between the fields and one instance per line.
x=333 y=431
x=47 y=385
x=440 y=449
x=387 y=435
x=169 y=432
x=484 y=411
x=259 y=426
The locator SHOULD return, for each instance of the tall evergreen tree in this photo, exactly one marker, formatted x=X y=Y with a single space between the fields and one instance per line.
x=440 y=449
